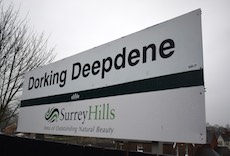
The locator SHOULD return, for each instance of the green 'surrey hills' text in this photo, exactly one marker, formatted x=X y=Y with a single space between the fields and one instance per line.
x=96 y=112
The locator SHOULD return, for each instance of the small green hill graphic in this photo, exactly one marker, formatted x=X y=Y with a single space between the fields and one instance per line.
x=52 y=114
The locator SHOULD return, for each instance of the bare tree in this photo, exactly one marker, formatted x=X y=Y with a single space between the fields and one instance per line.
x=21 y=50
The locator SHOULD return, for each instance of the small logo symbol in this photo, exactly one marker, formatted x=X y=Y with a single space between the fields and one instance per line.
x=75 y=96
x=52 y=114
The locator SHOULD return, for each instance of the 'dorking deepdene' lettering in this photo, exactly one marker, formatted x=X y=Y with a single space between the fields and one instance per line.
x=102 y=67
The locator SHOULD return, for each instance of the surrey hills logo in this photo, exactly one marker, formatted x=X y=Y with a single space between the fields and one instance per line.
x=52 y=114
x=95 y=112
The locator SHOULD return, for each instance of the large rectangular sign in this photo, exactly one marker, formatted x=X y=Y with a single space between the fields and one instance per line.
x=145 y=86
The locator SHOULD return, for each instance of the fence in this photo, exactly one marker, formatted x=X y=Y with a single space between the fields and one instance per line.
x=10 y=145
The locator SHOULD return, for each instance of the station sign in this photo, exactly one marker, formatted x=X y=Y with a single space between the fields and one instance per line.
x=146 y=86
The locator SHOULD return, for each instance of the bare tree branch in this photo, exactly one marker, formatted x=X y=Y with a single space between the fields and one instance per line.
x=21 y=50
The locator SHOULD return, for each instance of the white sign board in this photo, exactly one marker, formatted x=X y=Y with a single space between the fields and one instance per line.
x=145 y=86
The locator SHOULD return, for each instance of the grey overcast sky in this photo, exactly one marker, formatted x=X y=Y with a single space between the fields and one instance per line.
x=78 y=25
